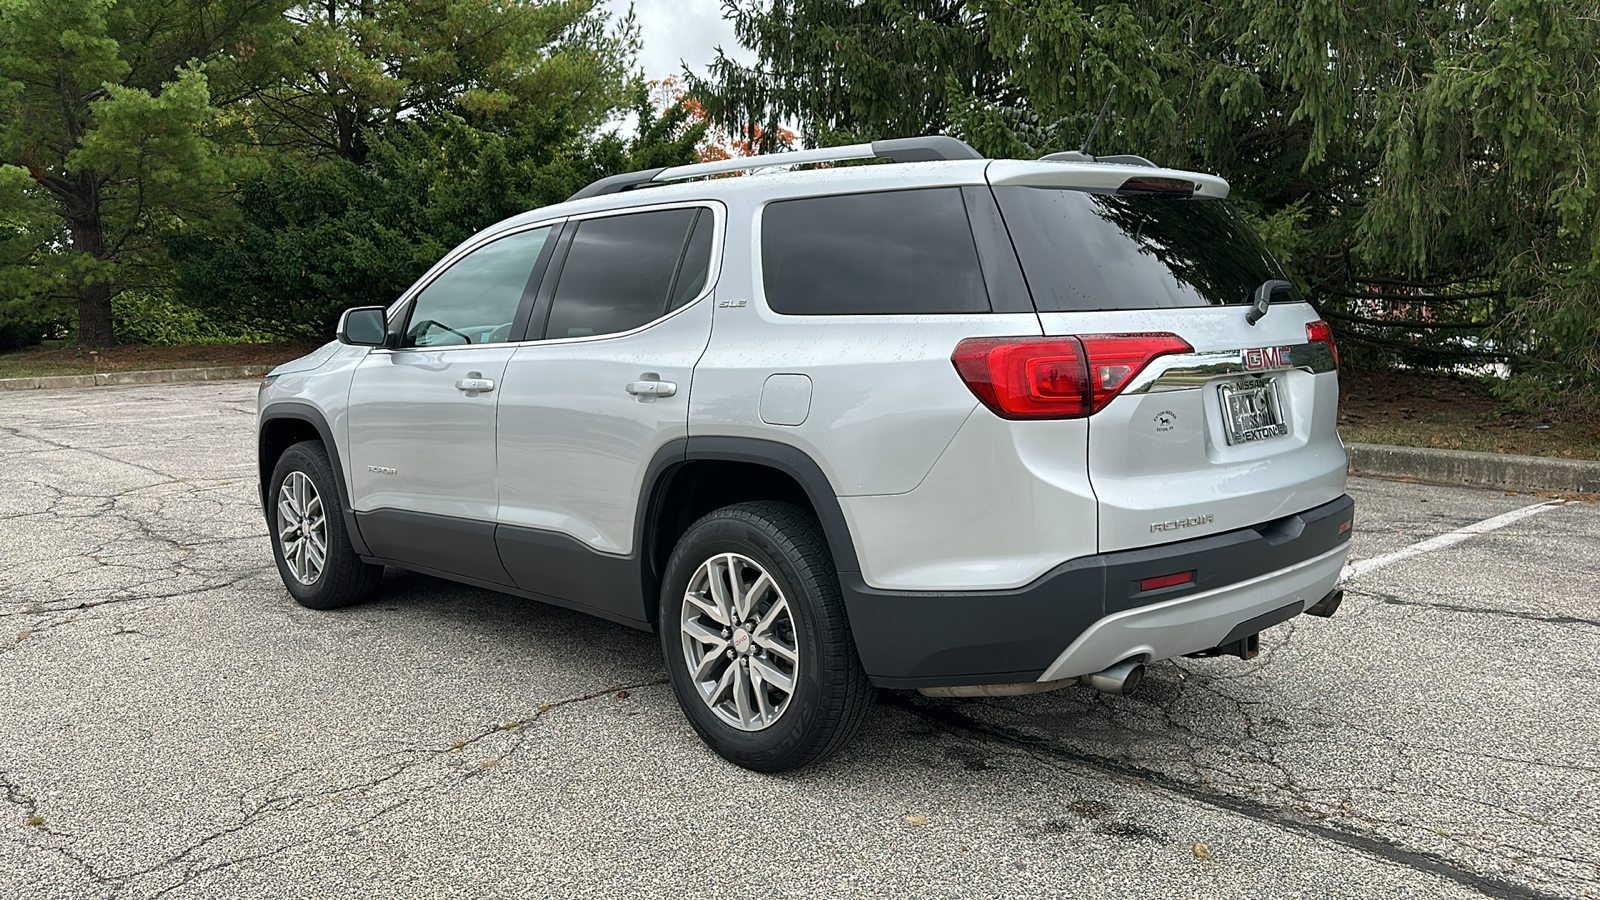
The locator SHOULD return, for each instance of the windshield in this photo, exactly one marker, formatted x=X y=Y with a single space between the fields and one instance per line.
x=1092 y=251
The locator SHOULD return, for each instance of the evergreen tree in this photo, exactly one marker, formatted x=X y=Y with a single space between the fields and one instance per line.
x=106 y=106
x=308 y=241
x=350 y=67
x=1427 y=170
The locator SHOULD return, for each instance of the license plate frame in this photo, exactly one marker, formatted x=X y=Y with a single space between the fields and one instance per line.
x=1252 y=410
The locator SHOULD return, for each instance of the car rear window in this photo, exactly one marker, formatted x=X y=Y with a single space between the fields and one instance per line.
x=1090 y=251
x=884 y=253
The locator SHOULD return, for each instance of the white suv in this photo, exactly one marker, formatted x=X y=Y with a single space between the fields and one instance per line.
x=968 y=426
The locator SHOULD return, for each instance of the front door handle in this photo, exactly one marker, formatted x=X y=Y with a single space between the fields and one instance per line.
x=650 y=386
x=475 y=384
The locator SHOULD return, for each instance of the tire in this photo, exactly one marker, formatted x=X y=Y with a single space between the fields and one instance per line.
x=304 y=480
x=830 y=694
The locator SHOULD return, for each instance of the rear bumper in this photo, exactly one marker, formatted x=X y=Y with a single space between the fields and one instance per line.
x=1088 y=614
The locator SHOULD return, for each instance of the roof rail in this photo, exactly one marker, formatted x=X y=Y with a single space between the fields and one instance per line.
x=919 y=149
x=1126 y=159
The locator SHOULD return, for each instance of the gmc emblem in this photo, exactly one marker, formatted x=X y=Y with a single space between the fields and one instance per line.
x=1267 y=358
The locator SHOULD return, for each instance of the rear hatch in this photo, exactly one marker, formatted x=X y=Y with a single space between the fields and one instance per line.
x=1237 y=430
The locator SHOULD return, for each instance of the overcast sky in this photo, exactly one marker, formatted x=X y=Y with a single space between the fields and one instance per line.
x=681 y=30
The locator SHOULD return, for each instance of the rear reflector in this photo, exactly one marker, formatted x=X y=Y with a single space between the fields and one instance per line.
x=1320 y=332
x=1057 y=377
x=1163 y=581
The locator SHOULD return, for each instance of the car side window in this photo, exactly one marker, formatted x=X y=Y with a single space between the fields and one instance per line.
x=475 y=301
x=619 y=272
x=885 y=253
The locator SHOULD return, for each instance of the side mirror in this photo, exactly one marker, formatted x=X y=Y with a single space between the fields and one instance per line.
x=363 y=326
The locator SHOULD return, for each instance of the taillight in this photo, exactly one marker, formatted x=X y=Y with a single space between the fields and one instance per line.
x=1056 y=377
x=1320 y=332
x=1115 y=358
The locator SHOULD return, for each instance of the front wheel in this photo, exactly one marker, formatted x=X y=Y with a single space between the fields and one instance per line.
x=756 y=640
x=314 y=556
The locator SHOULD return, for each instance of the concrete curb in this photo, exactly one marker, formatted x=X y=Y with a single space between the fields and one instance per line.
x=1465 y=467
x=154 y=376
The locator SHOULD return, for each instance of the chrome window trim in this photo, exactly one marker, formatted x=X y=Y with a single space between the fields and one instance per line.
x=1191 y=371
x=453 y=257
x=719 y=223
x=719 y=216
x=758 y=223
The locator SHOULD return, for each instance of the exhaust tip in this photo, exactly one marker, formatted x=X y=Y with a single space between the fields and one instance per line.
x=1327 y=605
x=1121 y=679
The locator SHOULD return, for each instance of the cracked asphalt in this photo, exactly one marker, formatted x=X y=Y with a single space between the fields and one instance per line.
x=173 y=725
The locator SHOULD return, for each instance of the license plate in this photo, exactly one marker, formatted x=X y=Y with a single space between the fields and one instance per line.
x=1251 y=410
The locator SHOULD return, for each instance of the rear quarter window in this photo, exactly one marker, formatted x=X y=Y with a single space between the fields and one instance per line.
x=619 y=272
x=1091 y=251
x=887 y=253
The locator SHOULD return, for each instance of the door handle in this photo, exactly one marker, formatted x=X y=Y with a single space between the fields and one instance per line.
x=475 y=384
x=650 y=386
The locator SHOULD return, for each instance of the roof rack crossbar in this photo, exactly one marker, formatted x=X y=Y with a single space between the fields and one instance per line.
x=919 y=149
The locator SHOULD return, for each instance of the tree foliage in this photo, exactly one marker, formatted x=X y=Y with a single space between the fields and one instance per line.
x=1427 y=170
x=307 y=241
x=106 y=105
x=133 y=130
x=347 y=68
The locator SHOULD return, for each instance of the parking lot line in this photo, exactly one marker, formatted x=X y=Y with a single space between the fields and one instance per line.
x=1362 y=567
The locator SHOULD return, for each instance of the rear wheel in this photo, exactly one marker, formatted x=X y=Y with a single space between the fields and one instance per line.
x=756 y=640
x=309 y=543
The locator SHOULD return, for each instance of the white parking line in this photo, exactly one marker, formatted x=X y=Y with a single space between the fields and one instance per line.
x=1362 y=567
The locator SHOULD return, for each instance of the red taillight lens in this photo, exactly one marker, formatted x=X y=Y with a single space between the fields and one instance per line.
x=1056 y=377
x=1320 y=332
x=1115 y=358
x=1026 y=377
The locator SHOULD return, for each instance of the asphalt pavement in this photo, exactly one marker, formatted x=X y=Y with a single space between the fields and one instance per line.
x=173 y=725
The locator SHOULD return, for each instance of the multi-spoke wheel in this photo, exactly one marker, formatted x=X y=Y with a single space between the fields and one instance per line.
x=302 y=528
x=761 y=657
x=738 y=641
x=314 y=556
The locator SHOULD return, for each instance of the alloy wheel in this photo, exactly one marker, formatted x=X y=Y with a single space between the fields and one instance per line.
x=739 y=641
x=302 y=528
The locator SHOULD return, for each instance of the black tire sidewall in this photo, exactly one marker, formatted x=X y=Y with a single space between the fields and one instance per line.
x=776 y=747
x=326 y=593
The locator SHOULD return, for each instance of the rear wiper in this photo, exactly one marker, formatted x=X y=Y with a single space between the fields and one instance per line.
x=1263 y=298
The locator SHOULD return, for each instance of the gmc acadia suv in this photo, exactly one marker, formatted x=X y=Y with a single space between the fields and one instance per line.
x=968 y=426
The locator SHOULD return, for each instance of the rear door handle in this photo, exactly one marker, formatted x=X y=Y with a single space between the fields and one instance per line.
x=475 y=384
x=650 y=386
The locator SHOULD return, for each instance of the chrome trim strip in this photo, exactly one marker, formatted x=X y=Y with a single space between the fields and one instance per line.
x=1189 y=371
x=719 y=226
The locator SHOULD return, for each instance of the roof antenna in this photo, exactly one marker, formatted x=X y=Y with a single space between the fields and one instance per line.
x=1097 y=120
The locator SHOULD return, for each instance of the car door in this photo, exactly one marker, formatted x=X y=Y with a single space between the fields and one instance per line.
x=623 y=317
x=422 y=414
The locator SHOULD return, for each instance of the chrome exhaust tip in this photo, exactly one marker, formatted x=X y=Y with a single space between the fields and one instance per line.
x=1121 y=679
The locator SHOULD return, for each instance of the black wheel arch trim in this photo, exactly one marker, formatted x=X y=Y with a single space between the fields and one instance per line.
x=305 y=412
x=797 y=464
